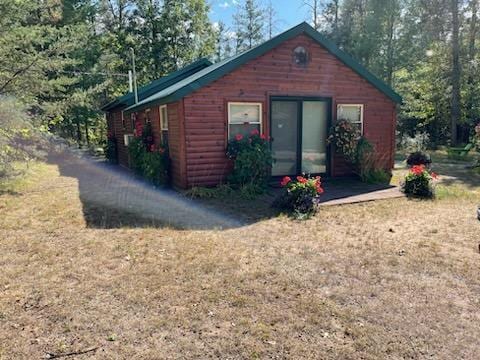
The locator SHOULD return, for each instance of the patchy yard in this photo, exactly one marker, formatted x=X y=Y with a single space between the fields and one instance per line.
x=391 y=279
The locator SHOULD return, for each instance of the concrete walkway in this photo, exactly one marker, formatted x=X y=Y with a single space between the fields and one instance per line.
x=349 y=191
x=115 y=189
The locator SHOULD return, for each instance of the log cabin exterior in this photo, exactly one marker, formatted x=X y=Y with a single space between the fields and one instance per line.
x=290 y=88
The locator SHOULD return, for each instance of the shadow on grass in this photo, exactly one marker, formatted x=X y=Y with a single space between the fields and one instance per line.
x=112 y=197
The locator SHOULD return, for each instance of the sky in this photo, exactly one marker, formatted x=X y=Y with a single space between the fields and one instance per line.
x=289 y=12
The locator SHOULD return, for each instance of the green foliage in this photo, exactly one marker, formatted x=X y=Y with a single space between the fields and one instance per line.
x=218 y=192
x=419 y=182
x=136 y=150
x=249 y=25
x=476 y=137
x=300 y=196
x=419 y=158
x=15 y=130
x=358 y=151
x=149 y=162
x=155 y=167
x=252 y=161
x=110 y=150
x=365 y=162
x=377 y=176
x=344 y=136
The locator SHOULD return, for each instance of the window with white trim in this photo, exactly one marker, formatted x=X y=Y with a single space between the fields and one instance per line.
x=243 y=118
x=148 y=119
x=164 y=124
x=352 y=113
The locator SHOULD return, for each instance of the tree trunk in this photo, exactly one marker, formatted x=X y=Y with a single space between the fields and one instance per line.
x=471 y=59
x=390 y=48
x=456 y=73
x=87 y=136
x=79 y=133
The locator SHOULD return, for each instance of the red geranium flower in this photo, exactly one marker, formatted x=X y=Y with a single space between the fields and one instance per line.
x=434 y=175
x=238 y=137
x=301 y=179
x=254 y=132
x=161 y=150
x=264 y=137
x=418 y=169
x=285 y=181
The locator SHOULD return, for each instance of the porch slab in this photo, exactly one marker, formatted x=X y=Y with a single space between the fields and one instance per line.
x=350 y=191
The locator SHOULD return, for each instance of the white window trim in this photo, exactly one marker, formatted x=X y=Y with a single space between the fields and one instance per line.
x=161 y=117
x=362 y=108
x=260 y=115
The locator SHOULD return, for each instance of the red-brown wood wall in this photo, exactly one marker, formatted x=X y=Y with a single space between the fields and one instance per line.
x=275 y=74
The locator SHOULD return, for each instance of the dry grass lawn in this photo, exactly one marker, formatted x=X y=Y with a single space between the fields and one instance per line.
x=394 y=279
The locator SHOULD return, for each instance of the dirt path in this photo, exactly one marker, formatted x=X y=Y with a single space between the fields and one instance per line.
x=114 y=190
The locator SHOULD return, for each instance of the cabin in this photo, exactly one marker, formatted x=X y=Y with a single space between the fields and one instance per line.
x=290 y=88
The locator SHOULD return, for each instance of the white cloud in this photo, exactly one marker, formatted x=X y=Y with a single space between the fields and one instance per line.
x=224 y=5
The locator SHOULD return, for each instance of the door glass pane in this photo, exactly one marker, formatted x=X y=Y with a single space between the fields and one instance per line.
x=314 y=137
x=284 y=137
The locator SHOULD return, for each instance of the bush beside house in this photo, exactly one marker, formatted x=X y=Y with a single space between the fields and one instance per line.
x=147 y=159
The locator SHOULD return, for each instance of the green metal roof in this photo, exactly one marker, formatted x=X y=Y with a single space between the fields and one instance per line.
x=157 y=85
x=215 y=71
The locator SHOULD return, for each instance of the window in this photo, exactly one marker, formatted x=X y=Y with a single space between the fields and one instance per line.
x=124 y=124
x=243 y=118
x=148 y=120
x=133 y=119
x=300 y=56
x=352 y=113
x=164 y=124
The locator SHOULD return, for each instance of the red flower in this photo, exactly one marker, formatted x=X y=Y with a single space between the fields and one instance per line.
x=152 y=148
x=418 y=169
x=161 y=150
x=434 y=175
x=319 y=189
x=264 y=137
x=238 y=137
x=254 y=132
x=285 y=181
x=301 y=179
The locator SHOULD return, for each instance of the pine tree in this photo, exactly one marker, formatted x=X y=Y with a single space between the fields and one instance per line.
x=186 y=33
x=249 y=25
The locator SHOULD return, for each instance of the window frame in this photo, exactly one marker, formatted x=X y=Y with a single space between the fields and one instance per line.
x=229 y=115
x=162 y=128
x=124 y=123
x=148 y=119
x=362 y=110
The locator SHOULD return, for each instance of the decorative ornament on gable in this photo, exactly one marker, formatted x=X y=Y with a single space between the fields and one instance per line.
x=300 y=56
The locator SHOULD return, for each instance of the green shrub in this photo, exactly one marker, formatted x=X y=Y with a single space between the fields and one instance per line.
x=136 y=150
x=344 y=136
x=252 y=161
x=419 y=182
x=419 y=158
x=149 y=161
x=218 y=192
x=300 y=197
x=476 y=137
x=155 y=167
x=358 y=151
x=377 y=176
